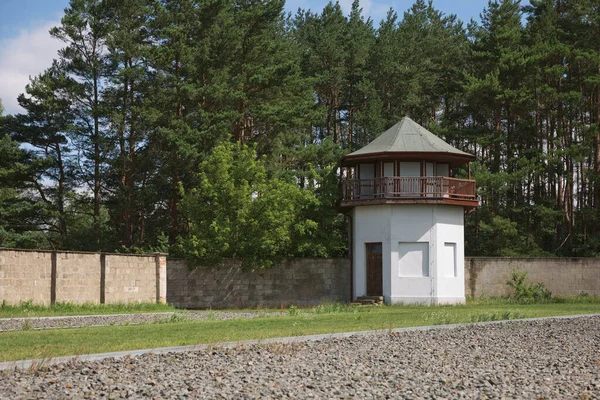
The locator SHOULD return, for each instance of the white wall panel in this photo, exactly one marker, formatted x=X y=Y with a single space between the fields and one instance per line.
x=413 y=259
x=448 y=262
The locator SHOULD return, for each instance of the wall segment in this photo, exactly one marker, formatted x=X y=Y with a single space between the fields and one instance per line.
x=44 y=276
x=47 y=277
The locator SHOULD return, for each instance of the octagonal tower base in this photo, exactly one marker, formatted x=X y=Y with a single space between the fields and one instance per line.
x=409 y=253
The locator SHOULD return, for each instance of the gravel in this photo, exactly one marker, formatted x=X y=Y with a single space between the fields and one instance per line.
x=11 y=324
x=542 y=359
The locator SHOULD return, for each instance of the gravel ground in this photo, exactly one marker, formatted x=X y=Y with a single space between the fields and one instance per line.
x=547 y=359
x=11 y=324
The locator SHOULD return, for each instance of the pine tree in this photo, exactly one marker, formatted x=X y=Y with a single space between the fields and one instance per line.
x=83 y=29
x=323 y=38
x=20 y=216
x=385 y=67
x=44 y=128
x=178 y=54
x=358 y=88
x=128 y=122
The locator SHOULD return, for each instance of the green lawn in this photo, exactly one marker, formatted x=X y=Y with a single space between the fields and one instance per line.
x=27 y=309
x=30 y=344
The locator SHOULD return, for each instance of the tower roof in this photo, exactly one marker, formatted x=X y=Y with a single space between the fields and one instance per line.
x=405 y=140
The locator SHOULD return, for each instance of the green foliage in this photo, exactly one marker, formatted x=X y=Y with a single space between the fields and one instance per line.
x=20 y=345
x=439 y=317
x=333 y=308
x=20 y=215
x=494 y=316
x=28 y=308
x=293 y=311
x=110 y=153
x=174 y=318
x=527 y=292
x=24 y=240
x=238 y=211
x=448 y=316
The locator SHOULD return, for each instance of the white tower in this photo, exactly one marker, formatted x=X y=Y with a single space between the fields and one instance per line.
x=407 y=216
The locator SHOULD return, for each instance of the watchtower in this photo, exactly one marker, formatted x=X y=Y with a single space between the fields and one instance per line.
x=407 y=216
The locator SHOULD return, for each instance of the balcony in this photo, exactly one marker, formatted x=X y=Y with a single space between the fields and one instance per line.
x=408 y=190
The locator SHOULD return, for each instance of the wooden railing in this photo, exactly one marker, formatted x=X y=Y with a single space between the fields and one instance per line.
x=435 y=187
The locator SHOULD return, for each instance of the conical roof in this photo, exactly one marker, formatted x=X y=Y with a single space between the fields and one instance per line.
x=407 y=139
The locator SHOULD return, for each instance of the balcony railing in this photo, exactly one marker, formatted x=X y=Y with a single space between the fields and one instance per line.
x=423 y=188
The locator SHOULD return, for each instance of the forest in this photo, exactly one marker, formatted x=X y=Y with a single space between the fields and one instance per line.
x=214 y=128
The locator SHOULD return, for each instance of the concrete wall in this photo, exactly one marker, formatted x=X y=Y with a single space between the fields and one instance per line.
x=77 y=278
x=130 y=279
x=25 y=275
x=296 y=281
x=47 y=277
x=485 y=277
x=311 y=281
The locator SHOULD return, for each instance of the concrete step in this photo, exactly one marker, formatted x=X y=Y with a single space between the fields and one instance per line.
x=356 y=304
x=365 y=301
x=370 y=300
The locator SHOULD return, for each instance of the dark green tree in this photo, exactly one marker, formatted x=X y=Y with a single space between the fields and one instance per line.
x=322 y=38
x=52 y=166
x=128 y=121
x=83 y=29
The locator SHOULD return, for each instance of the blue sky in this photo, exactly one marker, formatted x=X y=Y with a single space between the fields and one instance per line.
x=16 y=15
x=26 y=48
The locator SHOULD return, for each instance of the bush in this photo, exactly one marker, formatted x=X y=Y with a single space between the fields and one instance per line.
x=528 y=292
x=240 y=212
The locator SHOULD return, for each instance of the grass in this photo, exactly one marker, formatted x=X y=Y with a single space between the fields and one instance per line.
x=28 y=309
x=32 y=344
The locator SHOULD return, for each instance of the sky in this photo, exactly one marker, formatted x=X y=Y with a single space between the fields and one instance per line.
x=26 y=47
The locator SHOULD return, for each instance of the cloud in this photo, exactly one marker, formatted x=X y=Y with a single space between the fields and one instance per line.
x=27 y=54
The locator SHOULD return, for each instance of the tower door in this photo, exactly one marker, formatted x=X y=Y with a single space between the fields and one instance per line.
x=374 y=270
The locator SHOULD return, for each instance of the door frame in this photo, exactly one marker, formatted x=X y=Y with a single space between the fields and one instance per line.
x=367 y=252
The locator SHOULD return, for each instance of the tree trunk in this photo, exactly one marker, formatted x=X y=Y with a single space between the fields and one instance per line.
x=97 y=180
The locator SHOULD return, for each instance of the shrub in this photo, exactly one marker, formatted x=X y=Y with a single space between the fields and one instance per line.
x=293 y=310
x=239 y=211
x=527 y=292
